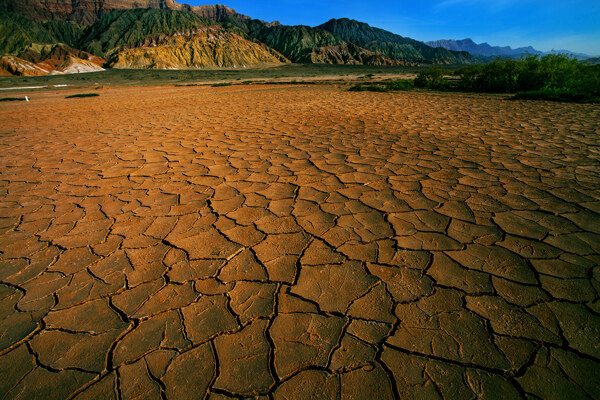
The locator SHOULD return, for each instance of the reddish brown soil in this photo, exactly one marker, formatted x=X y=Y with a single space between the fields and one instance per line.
x=298 y=242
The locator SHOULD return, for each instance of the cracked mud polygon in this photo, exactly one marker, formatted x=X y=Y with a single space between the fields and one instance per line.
x=296 y=242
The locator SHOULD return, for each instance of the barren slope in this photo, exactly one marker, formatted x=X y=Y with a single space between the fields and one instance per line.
x=201 y=47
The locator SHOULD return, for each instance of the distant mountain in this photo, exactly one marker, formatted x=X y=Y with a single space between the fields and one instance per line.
x=593 y=61
x=580 y=56
x=392 y=46
x=85 y=12
x=484 y=49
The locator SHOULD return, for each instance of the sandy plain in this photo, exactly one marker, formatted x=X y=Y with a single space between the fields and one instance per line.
x=296 y=242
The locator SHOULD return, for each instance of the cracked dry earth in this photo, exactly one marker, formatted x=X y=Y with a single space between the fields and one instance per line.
x=298 y=242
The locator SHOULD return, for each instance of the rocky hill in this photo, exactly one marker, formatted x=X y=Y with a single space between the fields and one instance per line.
x=41 y=59
x=74 y=65
x=212 y=47
x=306 y=44
x=392 y=46
x=11 y=65
x=120 y=28
x=85 y=12
x=294 y=42
x=60 y=51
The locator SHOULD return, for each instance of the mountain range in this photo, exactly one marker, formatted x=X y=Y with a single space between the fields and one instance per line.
x=486 y=50
x=165 y=34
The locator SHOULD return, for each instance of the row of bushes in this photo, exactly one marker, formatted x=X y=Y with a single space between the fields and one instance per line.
x=553 y=77
x=388 y=86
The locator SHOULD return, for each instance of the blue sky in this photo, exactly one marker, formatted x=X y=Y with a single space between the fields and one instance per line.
x=545 y=25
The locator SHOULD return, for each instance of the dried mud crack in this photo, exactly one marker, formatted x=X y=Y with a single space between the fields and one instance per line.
x=295 y=242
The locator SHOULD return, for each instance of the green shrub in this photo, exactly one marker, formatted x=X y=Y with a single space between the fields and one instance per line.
x=500 y=76
x=82 y=95
x=553 y=76
x=368 y=88
x=468 y=76
x=389 y=86
x=222 y=84
x=401 y=84
x=13 y=99
x=432 y=78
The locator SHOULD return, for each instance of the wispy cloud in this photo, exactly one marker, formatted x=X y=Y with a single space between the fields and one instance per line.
x=493 y=5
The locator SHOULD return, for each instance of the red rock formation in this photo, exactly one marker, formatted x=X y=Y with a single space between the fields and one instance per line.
x=55 y=54
x=19 y=67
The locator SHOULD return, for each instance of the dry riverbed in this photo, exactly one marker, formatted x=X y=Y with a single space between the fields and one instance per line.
x=298 y=241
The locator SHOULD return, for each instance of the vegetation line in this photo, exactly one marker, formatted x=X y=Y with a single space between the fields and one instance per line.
x=553 y=77
x=82 y=95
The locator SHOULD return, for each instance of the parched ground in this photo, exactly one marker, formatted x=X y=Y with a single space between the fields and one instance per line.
x=298 y=242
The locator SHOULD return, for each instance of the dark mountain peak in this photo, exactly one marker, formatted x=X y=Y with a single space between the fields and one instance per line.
x=343 y=20
x=349 y=23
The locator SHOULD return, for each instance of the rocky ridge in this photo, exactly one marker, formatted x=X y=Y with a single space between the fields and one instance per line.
x=391 y=45
x=55 y=54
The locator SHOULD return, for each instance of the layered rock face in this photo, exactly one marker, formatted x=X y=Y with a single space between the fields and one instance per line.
x=55 y=59
x=87 y=11
x=55 y=54
x=201 y=47
x=74 y=65
x=346 y=54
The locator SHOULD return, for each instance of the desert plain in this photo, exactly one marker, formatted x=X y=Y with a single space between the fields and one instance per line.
x=298 y=242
